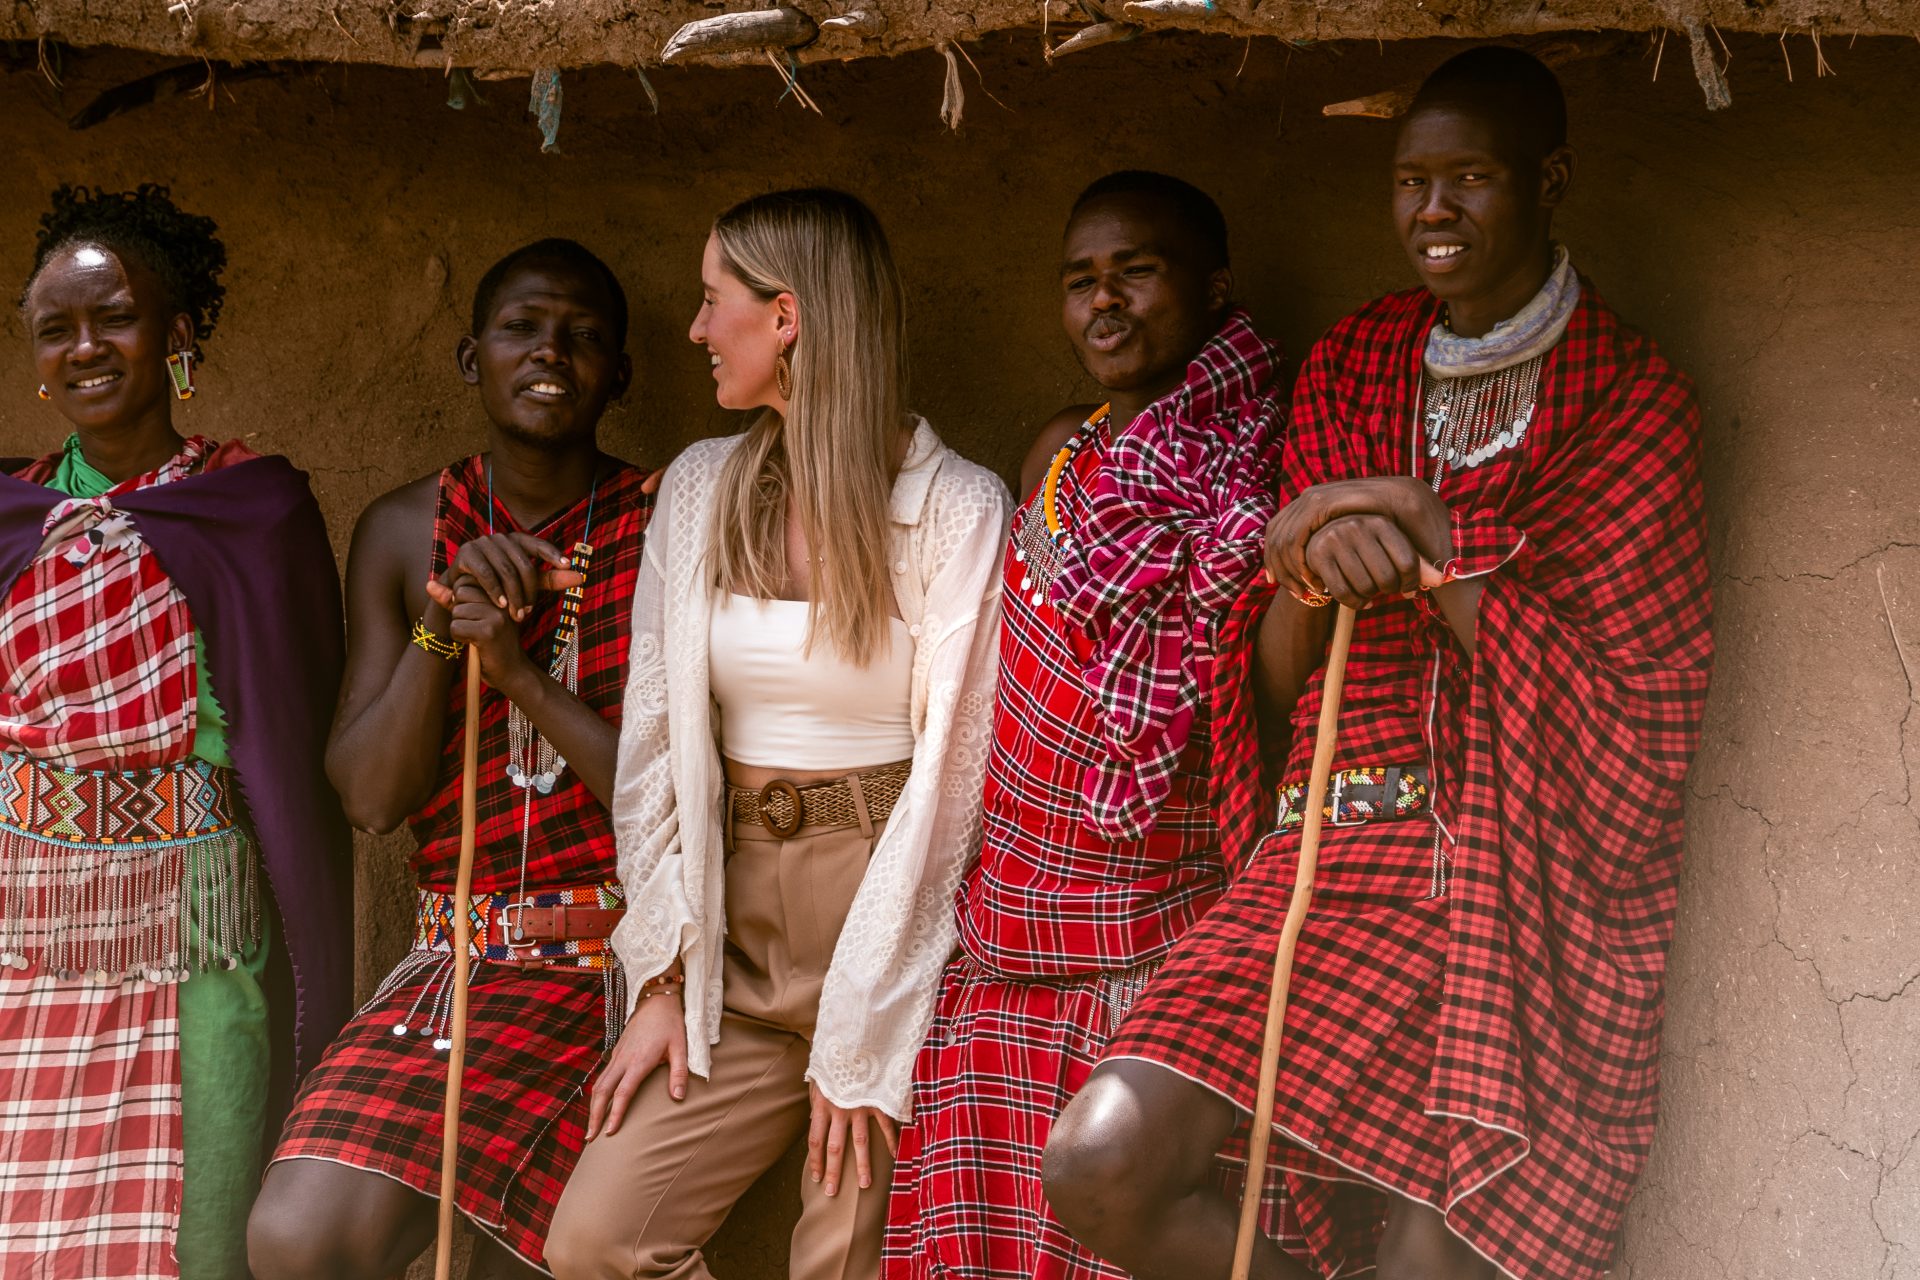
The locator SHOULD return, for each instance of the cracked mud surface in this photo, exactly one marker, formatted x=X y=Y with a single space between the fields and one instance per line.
x=1769 y=248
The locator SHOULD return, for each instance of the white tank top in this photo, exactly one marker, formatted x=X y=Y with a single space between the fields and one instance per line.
x=782 y=708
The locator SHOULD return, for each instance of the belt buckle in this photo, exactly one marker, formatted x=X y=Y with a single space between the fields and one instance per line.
x=781 y=787
x=1337 y=790
x=513 y=936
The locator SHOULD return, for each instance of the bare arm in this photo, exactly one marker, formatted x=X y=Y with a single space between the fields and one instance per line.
x=384 y=752
x=1289 y=648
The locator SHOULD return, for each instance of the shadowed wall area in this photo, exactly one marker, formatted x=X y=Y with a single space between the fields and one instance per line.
x=1770 y=248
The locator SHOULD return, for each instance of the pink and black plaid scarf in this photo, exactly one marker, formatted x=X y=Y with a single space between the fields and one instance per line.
x=1172 y=538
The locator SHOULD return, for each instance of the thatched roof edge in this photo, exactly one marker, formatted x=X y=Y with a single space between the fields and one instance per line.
x=517 y=36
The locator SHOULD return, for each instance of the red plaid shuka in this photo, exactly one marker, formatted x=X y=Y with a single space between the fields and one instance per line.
x=1172 y=534
x=1003 y=1060
x=1476 y=1000
x=1060 y=923
x=1051 y=897
x=533 y=1037
x=96 y=657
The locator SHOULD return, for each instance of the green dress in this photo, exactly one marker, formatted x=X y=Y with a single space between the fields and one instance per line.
x=226 y=1058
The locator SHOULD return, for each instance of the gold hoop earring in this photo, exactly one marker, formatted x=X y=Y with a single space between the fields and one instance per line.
x=783 y=376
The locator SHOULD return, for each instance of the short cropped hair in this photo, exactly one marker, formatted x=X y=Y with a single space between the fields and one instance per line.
x=570 y=253
x=1513 y=83
x=1195 y=208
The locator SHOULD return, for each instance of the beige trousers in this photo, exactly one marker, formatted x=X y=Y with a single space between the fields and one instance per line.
x=645 y=1200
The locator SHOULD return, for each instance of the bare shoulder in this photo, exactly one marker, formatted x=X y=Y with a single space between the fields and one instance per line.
x=393 y=539
x=1051 y=438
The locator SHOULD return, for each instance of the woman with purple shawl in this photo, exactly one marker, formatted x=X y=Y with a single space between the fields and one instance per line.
x=174 y=871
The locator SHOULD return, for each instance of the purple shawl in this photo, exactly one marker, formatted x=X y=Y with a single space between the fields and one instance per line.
x=247 y=547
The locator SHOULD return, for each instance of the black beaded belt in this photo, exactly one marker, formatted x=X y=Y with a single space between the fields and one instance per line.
x=1355 y=796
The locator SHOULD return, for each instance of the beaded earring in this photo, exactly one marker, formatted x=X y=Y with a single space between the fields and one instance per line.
x=180 y=370
x=44 y=393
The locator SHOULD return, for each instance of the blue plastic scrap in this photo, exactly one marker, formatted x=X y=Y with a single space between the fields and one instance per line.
x=545 y=106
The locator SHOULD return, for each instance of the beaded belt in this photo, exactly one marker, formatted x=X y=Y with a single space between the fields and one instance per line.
x=167 y=805
x=546 y=929
x=783 y=808
x=113 y=875
x=1355 y=796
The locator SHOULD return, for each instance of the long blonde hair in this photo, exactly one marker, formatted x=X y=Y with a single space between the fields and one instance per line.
x=833 y=456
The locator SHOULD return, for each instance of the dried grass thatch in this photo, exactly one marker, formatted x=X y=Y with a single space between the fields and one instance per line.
x=500 y=36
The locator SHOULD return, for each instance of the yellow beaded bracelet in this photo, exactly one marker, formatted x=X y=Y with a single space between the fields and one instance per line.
x=426 y=640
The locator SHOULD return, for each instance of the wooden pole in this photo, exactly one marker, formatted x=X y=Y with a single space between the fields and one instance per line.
x=1302 y=899
x=462 y=943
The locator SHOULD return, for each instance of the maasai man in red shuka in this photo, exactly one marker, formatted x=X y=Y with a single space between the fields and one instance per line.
x=1505 y=478
x=1143 y=525
x=528 y=553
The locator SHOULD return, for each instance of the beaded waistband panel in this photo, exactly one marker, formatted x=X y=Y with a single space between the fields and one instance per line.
x=148 y=874
x=94 y=807
x=433 y=926
x=431 y=961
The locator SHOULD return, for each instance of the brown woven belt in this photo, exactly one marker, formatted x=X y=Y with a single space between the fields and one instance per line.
x=783 y=808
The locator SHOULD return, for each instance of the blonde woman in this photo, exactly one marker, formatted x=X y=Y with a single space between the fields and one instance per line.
x=801 y=764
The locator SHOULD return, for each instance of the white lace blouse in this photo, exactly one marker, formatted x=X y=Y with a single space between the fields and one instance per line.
x=948 y=535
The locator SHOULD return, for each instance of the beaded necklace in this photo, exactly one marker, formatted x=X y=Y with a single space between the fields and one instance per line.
x=533 y=763
x=1042 y=541
x=1469 y=420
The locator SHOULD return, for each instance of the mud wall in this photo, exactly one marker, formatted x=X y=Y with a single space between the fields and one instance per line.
x=1770 y=248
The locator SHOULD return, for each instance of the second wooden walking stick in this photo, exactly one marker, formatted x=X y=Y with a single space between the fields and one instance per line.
x=462 y=944
x=1302 y=899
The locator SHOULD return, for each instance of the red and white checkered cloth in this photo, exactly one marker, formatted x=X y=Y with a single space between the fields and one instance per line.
x=1051 y=896
x=90 y=1146
x=1171 y=536
x=1060 y=917
x=96 y=671
x=1001 y=1062
x=96 y=642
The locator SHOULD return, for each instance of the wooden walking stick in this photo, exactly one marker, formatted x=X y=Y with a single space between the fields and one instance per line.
x=462 y=942
x=1290 y=938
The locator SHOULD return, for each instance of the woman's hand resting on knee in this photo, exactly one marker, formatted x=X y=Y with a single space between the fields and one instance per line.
x=832 y=1129
x=656 y=1033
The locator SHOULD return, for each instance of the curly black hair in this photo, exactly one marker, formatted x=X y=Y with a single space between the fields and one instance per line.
x=179 y=247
